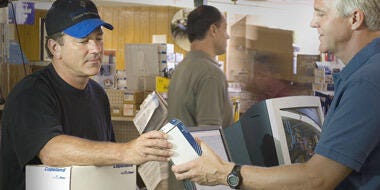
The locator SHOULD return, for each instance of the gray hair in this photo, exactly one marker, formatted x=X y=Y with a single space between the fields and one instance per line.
x=370 y=8
x=56 y=37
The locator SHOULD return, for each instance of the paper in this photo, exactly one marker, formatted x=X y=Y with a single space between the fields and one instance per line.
x=152 y=115
x=152 y=173
x=147 y=109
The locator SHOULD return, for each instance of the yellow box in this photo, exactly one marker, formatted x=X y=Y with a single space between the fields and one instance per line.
x=162 y=84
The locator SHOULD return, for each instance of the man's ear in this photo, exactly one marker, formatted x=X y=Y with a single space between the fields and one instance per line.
x=213 y=29
x=54 y=48
x=357 y=19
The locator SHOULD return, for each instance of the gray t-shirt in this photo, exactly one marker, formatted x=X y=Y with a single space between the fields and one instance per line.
x=198 y=92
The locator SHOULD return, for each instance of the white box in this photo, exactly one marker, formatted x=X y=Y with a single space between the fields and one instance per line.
x=116 y=177
x=166 y=48
x=184 y=145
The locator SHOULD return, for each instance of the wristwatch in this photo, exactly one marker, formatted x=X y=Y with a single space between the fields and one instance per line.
x=234 y=178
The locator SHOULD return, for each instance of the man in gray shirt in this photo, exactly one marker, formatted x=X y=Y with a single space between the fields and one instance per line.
x=198 y=91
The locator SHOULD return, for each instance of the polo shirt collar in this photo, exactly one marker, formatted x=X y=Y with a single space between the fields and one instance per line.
x=359 y=59
x=201 y=54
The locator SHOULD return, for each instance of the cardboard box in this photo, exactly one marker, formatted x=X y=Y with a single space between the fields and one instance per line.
x=116 y=111
x=133 y=97
x=116 y=177
x=306 y=68
x=256 y=49
x=129 y=109
x=268 y=39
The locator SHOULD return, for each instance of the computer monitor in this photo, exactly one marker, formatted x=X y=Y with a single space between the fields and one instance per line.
x=213 y=136
x=276 y=131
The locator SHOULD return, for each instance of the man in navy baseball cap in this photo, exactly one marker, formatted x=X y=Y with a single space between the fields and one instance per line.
x=59 y=115
x=77 y=18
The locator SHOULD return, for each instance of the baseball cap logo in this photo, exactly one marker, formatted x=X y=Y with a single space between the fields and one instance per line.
x=83 y=4
x=85 y=14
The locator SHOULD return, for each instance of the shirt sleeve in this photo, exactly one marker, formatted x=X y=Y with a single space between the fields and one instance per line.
x=32 y=123
x=351 y=132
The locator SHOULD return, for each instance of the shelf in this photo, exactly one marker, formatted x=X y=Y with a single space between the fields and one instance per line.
x=113 y=118
x=120 y=118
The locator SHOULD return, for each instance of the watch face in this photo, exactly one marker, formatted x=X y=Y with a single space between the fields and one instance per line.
x=233 y=180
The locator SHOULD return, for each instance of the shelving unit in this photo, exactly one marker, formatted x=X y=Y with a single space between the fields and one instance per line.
x=124 y=129
x=4 y=69
x=119 y=118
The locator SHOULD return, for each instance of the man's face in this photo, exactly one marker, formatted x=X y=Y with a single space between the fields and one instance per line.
x=222 y=37
x=82 y=57
x=334 y=30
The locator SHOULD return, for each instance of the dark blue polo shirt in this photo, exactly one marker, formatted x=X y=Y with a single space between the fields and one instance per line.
x=351 y=131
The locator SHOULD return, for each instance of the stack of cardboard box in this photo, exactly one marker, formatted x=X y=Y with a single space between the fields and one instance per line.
x=261 y=60
x=124 y=102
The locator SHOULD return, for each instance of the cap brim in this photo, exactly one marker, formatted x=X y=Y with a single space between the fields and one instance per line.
x=85 y=27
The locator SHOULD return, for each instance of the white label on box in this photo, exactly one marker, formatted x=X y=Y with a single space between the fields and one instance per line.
x=52 y=177
x=116 y=177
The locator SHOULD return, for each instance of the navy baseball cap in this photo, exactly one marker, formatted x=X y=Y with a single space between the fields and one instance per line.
x=77 y=18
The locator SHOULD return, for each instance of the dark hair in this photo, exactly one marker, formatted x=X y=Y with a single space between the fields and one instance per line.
x=200 y=20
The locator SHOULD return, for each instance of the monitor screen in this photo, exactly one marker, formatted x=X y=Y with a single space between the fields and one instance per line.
x=213 y=136
x=301 y=134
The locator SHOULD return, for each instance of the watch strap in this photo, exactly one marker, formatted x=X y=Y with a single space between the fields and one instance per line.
x=236 y=172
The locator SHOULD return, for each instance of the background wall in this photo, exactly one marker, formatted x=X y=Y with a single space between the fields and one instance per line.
x=132 y=24
x=283 y=14
x=135 y=24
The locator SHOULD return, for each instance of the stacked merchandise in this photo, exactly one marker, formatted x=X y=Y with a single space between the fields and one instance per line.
x=106 y=75
x=260 y=62
x=323 y=80
x=323 y=73
x=305 y=72
x=116 y=99
x=132 y=101
x=323 y=85
x=145 y=65
x=241 y=99
x=124 y=103
x=121 y=80
x=144 y=62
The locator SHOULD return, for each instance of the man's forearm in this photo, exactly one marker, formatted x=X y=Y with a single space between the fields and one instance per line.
x=66 y=150
x=317 y=173
x=283 y=177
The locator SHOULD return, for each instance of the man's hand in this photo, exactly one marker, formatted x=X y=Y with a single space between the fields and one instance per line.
x=208 y=169
x=150 y=146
